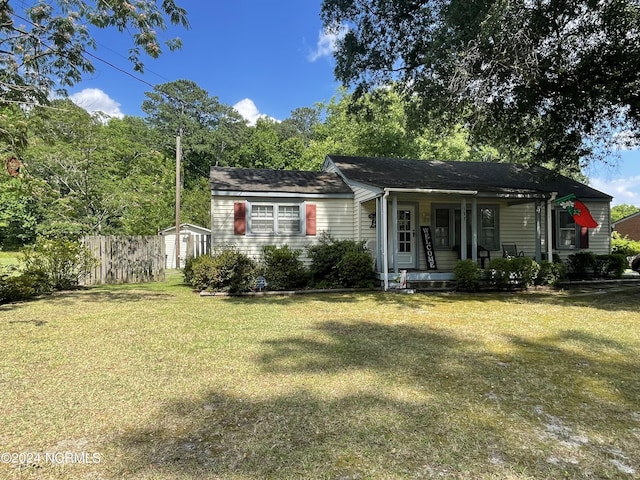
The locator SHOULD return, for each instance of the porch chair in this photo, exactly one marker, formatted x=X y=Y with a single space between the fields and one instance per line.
x=510 y=250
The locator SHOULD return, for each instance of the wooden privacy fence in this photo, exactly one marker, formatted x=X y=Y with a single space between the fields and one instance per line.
x=121 y=259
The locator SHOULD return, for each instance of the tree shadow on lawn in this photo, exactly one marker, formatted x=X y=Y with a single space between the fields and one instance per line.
x=401 y=401
x=622 y=299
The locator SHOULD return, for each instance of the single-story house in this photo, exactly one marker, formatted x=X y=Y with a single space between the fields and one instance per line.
x=628 y=227
x=414 y=215
x=194 y=241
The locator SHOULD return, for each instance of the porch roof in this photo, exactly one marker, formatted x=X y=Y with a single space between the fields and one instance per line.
x=484 y=177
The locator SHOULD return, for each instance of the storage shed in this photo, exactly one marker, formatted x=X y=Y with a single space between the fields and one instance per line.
x=194 y=241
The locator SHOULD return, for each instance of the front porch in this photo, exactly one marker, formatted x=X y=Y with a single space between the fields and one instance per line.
x=419 y=234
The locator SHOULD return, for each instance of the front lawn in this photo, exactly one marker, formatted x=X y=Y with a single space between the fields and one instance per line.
x=156 y=382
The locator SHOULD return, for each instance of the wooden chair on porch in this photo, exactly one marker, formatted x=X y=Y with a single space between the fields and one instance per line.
x=510 y=250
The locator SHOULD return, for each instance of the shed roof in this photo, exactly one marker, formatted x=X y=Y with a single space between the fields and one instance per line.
x=506 y=178
x=255 y=180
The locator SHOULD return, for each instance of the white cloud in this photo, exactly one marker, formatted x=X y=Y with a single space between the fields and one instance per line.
x=250 y=112
x=328 y=39
x=95 y=100
x=624 y=190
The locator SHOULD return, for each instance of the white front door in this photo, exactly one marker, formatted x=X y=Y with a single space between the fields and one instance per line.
x=406 y=240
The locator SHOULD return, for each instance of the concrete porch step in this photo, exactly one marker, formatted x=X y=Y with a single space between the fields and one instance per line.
x=432 y=285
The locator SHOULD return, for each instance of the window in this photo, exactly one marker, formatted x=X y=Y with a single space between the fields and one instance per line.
x=448 y=225
x=274 y=219
x=441 y=228
x=566 y=230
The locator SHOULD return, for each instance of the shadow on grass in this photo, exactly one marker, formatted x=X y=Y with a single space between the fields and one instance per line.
x=620 y=299
x=566 y=406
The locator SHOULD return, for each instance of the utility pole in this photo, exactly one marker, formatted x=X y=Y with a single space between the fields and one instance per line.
x=178 y=182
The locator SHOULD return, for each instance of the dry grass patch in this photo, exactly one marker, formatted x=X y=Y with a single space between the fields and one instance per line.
x=163 y=384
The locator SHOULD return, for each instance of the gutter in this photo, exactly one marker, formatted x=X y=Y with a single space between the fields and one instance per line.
x=385 y=226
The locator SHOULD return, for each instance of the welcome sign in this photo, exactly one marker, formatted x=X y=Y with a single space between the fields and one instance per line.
x=428 y=248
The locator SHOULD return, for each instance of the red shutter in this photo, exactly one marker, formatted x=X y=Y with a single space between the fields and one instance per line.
x=584 y=237
x=311 y=219
x=239 y=218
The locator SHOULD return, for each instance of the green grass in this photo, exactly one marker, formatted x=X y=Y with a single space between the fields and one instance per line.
x=163 y=384
x=8 y=258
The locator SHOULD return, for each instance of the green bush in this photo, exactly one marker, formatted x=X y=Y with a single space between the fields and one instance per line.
x=624 y=246
x=17 y=286
x=550 y=273
x=610 y=266
x=62 y=261
x=524 y=271
x=187 y=270
x=327 y=255
x=467 y=275
x=355 y=269
x=227 y=271
x=581 y=266
x=515 y=272
x=499 y=273
x=282 y=268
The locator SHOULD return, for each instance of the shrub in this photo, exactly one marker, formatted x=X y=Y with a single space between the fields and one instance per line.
x=467 y=275
x=62 y=261
x=499 y=273
x=282 y=268
x=581 y=265
x=524 y=271
x=22 y=286
x=550 y=273
x=610 y=266
x=328 y=254
x=227 y=271
x=187 y=270
x=355 y=268
x=624 y=246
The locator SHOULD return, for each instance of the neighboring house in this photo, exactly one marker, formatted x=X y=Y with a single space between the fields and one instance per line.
x=194 y=241
x=386 y=202
x=628 y=227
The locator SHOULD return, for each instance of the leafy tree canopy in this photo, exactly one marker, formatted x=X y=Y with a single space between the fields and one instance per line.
x=45 y=44
x=621 y=211
x=548 y=81
x=210 y=129
x=375 y=124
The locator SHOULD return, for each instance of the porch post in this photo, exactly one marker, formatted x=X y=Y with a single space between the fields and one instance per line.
x=538 y=231
x=549 y=232
x=394 y=232
x=474 y=229
x=379 y=264
x=463 y=229
x=385 y=241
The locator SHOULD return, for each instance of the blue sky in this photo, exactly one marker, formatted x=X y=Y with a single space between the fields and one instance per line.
x=263 y=58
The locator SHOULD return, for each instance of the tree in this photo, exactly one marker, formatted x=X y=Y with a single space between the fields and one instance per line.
x=210 y=129
x=547 y=81
x=46 y=45
x=621 y=211
x=375 y=124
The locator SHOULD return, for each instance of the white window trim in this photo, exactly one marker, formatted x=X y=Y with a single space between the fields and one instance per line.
x=276 y=208
x=576 y=233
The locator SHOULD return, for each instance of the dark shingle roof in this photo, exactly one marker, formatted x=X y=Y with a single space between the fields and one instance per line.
x=507 y=178
x=257 y=180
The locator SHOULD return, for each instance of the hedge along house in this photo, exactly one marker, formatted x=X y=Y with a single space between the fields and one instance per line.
x=411 y=213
